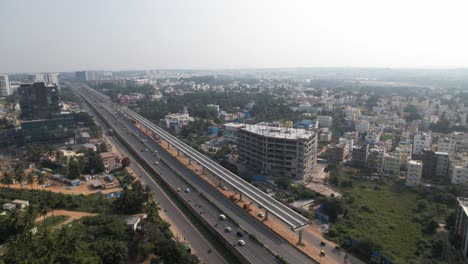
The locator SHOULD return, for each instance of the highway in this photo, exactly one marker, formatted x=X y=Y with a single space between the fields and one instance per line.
x=189 y=232
x=270 y=239
x=271 y=205
x=253 y=251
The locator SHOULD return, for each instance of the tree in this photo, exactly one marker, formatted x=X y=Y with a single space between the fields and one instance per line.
x=283 y=183
x=30 y=179
x=74 y=170
x=41 y=178
x=7 y=178
x=103 y=147
x=35 y=152
x=126 y=162
x=19 y=175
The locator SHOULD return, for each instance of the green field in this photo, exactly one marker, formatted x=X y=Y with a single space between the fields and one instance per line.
x=391 y=215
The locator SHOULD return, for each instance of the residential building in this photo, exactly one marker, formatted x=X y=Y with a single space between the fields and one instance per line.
x=360 y=155
x=338 y=153
x=325 y=121
x=177 y=121
x=414 y=174
x=376 y=159
x=421 y=141
x=361 y=126
x=454 y=142
x=5 y=87
x=435 y=164
x=39 y=101
x=405 y=150
x=278 y=151
x=230 y=131
x=458 y=169
x=392 y=164
x=325 y=135
x=47 y=78
x=461 y=225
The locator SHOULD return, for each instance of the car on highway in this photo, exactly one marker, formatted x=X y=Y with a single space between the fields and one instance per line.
x=156 y=163
x=261 y=215
x=222 y=217
x=146 y=150
x=178 y=189
x=228 y=229
x=187 y=190
x=241 y=242
x=155 y=151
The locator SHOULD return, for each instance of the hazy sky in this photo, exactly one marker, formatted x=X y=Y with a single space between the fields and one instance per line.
x=66 y=35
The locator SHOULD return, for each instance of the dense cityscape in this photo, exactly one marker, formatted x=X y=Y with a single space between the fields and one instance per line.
x=373 y=163
x=226 y=132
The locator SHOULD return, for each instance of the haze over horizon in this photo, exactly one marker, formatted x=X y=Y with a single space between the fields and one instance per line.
x=53 y=35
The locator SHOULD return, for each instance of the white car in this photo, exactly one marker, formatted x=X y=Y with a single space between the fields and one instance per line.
x=187 y=190
x=222 y=217
x=156 y=163
x=228 y=229
x=241 y=242
x=261 y=215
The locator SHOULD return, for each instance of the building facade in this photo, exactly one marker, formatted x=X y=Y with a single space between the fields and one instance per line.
x=5 y=87
x=461 y=225
x=277 y=151
x=413 y=177
x=421 y=141
x=39 y=101
x=325 y=121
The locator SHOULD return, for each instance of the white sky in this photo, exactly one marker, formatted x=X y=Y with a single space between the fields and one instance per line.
x=65 y=35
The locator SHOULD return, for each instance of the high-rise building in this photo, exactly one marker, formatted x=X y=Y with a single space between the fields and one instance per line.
x=5 y=88
x=278 y=151
x=421 y=141
x=461 y=225
x=414 y=174
x=39 y=101
x=458 y=168
x=47 y=78
x=435 y=164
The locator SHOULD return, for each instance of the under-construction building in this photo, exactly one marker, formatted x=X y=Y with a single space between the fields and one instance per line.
x=278 y=151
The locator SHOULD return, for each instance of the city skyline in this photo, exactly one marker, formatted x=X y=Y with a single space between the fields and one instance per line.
x=120 y=35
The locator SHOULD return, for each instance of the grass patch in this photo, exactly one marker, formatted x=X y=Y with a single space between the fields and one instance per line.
x=390 y=214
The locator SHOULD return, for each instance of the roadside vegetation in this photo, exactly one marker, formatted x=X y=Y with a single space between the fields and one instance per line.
x=104 y=238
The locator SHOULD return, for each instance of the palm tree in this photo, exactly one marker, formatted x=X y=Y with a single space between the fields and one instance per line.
x=41 y=179
x=30 y=179
x=43 y=212
x=19 y=175
x=7 y=179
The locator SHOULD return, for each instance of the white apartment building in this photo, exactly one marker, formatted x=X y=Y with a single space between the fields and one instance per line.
x=362 y=126
x=421 y=141
x=392 y=164
x=413 y=177
x=178 y=120
x=454 y=142
x=278 y=151
x=5 y=88
x=458 y=170
x=325 y=121
x=231 y=130
x=446 y=145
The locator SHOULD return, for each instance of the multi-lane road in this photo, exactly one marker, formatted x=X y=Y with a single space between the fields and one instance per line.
x=252 y=251
x=175 y=171
x=188 y=232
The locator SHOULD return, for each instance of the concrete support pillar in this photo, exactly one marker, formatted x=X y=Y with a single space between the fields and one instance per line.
x=202 y=170
x=240 y=196
x=178 y=152
x=220 y=182
x=300 y=238
x=168 y=145
x=266 y=215
x=189 y=160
